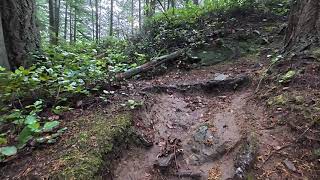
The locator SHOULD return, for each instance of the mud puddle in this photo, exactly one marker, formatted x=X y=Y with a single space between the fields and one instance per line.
x=193 y=137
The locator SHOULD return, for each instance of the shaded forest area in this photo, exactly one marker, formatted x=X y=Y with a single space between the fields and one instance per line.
x=159 y=89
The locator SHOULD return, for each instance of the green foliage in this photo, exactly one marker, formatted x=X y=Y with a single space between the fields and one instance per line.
x=132 y=104
x=7 y=151
x=287 y=77
x=59 y=75
x=191 y=13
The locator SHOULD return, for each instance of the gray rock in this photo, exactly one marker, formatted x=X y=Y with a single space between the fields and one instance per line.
x=201 y=134
x=246 y=158
x=189 y=174
x=220 y=77
x=165 y=161
x=290 y=165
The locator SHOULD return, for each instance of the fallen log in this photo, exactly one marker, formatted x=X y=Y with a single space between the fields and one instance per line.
x=154 y=62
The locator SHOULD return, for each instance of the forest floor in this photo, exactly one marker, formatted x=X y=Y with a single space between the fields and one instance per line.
x=208 y=122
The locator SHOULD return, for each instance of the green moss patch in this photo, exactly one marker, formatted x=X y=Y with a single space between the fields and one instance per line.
x=277 y=100
x=97 y=136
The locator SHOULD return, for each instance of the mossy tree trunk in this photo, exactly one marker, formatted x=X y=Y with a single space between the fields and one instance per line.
x=21 y=34
x=304 y=25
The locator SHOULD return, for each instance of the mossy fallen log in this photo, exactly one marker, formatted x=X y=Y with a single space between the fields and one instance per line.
x=89 y=147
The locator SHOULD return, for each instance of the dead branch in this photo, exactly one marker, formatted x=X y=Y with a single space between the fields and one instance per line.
x=154 y=62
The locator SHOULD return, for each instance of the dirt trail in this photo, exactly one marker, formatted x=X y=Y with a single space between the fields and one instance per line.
x=195 y=135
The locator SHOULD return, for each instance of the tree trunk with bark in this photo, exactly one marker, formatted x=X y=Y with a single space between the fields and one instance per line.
x=57 y=21
x=54 y=21
x=132 y=17
x=65 y=21
x=304 y=25
x=70 y=27
x=140 y=19
x=97 y=19
x=51 y=21
x=111 y=19
x=92 y=19
x=3 y=52
x=196 y=2
x=21 y=34
x=75 y=25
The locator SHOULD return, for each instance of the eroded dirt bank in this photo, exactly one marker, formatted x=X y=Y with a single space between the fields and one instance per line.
x=218 y=133
x=195 y=134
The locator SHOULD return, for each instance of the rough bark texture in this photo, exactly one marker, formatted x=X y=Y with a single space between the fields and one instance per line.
x=20 y=31
x=51 y=22
x=3 y=52
x=57 y=20
x=304 y=25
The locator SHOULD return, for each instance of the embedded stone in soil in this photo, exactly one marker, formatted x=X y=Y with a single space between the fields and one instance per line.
x=204 y=128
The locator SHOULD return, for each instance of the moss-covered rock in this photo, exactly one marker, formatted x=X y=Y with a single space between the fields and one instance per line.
x=277 y=100
x=97 y=137
x=288 y=76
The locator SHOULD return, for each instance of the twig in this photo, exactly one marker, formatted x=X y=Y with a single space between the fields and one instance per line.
x=175 y=156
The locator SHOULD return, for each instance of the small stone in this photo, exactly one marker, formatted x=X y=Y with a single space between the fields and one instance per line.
x=79 y=103
x=164 y=162
x=200 y=135
x=189 y=174
x=220 y=77
x=290 y=165
x=277 y=147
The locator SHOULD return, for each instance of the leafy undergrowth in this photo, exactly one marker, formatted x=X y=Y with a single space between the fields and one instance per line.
x=199 y=26
x=33 y=99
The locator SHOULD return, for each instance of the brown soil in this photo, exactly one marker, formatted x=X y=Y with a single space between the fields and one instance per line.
x=230 y=115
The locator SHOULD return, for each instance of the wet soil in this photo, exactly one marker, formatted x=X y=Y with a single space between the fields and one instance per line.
x=219 y=134
x=194 y=135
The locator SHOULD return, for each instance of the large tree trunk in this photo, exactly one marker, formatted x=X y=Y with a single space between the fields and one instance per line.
x=304 y=25
x=54 y=21
x=21 y=34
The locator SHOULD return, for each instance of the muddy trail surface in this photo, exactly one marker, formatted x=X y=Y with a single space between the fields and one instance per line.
x=197 y=129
